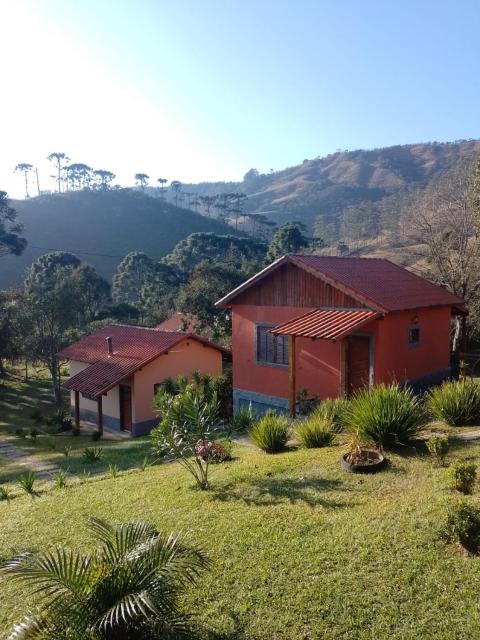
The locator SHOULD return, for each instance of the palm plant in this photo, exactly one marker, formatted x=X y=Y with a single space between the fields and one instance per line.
x=127 y=588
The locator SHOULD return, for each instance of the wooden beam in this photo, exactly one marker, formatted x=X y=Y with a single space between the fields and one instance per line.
x=99 y=415
x=292 y=375
x=77 y=410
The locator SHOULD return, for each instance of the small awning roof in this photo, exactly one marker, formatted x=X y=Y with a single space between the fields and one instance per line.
x=326 y=324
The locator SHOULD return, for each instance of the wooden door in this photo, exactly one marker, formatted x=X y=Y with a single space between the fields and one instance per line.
x=358 y=363
x=125 y=407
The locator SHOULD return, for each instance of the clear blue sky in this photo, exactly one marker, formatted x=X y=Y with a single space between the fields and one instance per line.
x=206 y=89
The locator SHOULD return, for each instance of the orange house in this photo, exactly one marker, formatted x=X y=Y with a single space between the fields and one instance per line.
x=332 y=325
x=114 y=372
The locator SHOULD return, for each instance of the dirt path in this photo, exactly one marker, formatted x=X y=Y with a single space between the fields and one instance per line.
x=43 y=469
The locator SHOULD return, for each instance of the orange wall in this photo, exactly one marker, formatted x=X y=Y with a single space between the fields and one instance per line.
x=395 y=359
x=183 y=359
x=318 y=362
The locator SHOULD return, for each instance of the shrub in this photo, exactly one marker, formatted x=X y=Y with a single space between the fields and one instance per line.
x=243 y=419
x=5 y=494
x=186 y=418
x=61 y=419
x=26 y=482
x=456 y=403
x=335 y=411
x=67 y=450
x=463 y=526
x=386 y=414
x=271 y=432
x=96 y=435
x=37 y=417
x=92 y=454
x=214 y=452
x=306 y=403
x=438 y=447
x=20 y=433
x=463 y=475
x=113 y=470
x=60 y=479
x=34 y=433
x=315 y=432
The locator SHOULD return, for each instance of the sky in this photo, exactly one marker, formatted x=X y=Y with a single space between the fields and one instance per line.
x=195 y=90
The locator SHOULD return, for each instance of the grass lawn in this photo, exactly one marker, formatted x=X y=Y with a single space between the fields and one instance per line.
x=300 y=548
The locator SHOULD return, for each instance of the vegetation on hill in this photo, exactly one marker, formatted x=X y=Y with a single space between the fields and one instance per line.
x=101 y=227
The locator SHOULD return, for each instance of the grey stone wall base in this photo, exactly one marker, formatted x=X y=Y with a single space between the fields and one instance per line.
x=259 y=402
x=91 y=416
x=143 y=428
x=433 y=379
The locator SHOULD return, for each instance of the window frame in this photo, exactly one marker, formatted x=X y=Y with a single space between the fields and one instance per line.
x=414 y=327
x=266 y=363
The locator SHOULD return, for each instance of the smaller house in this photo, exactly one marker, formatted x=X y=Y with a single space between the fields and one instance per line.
x=114 y=372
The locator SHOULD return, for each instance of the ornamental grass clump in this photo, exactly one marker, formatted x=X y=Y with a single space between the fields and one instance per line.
x=315 y=432
x=386 y=415
x=456 y=403
x=463 y=475
x=438 y=447
x=271 y=432
x=463 y=527
x=334 y=410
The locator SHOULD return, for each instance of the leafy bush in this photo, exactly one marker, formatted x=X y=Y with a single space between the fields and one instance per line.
x=191 y=416
x=96 y=435
x=92 y=454
x=271 y=432
x=34 y=433
x=463 y=475
x=463 y=526
x=60 y=479
x=438 y=447
x=20 y=433
x=26 y=482
x=5 y=494
x=242 y=420
x=386 y=414
x=456 y=403
x=131 y=586
x=305 y=402
x=61 y=419
x=37 y=416
x=214 y=452
x=335 y=411
x=315 y=432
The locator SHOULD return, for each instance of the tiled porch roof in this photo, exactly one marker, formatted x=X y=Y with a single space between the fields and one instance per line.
x=326 y=324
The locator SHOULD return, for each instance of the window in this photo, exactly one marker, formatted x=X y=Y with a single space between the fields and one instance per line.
x=271 y=349
x=414 y=335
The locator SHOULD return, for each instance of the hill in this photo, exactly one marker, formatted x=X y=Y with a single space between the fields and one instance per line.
x=327 y=187
x=101 y=228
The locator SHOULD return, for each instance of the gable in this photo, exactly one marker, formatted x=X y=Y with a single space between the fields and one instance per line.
x=291 y=286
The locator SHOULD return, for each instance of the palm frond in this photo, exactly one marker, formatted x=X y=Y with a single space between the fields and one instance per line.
x=119 y=540
x=31 y=628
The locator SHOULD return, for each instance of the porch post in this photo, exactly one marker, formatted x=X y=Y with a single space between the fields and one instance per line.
x=99 y=415
x=77 y=410
x=292 y=375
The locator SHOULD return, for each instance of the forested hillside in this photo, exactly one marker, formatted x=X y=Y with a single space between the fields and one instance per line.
x=101 y=227
x=336 y=191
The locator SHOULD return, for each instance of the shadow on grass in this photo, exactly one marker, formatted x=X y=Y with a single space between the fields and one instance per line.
x=274 y=490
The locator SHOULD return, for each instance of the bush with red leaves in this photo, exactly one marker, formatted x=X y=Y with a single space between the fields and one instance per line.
x=212 y=451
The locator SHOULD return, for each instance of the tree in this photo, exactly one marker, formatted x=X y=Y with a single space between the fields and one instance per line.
x=61 y=296
x=79 y=175
x=176 y=187
x=238 y=203
x=208 y=202
x=105 y=177
x=289 y=238
x=447 y=223
x=142 y=180
x=190 y=421
x=60 y=159
x=130 y=276
x=162 y=182
x=10 y=239
x=24 y=168
x=208 y=283
x=127 y=589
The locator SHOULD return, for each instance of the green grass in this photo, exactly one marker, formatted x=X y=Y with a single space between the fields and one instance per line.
x=300 y=548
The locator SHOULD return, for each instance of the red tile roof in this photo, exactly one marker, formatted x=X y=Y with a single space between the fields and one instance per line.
x=376 y=282
x=132 y=348
x=326 y=324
